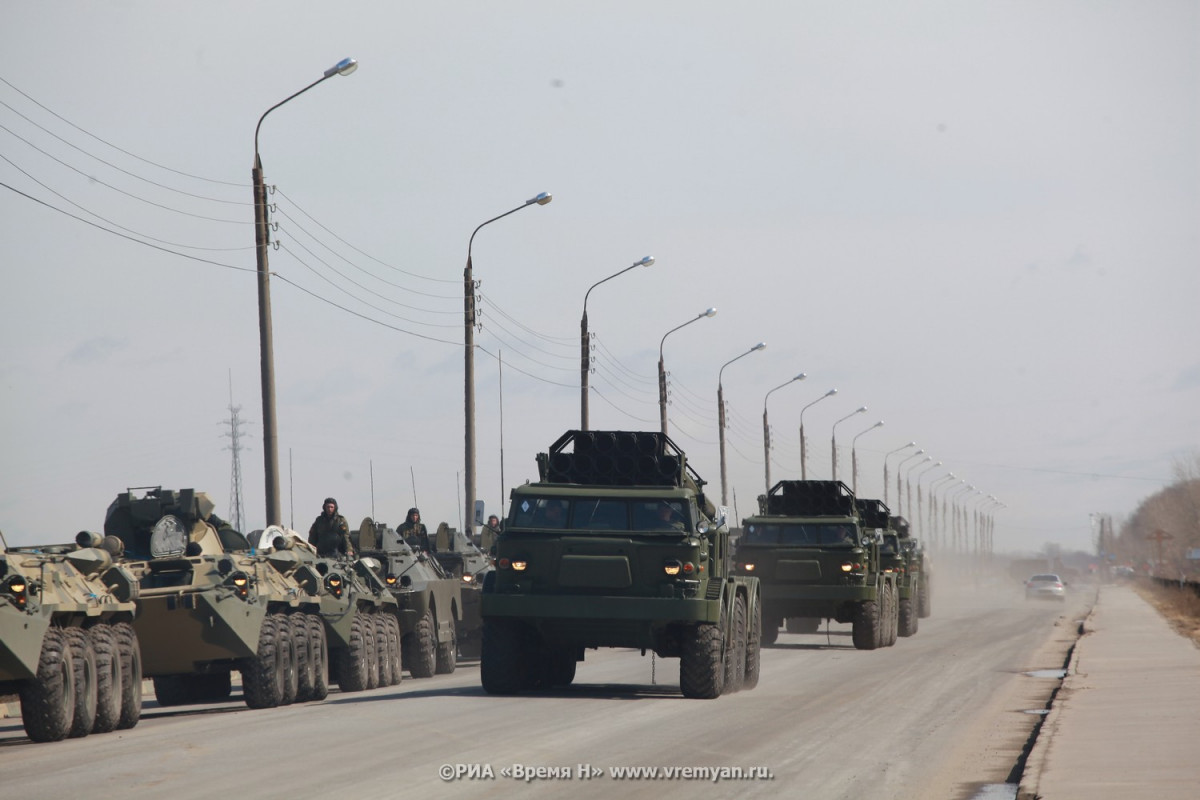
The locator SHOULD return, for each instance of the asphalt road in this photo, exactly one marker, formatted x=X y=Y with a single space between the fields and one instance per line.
x=936 y=716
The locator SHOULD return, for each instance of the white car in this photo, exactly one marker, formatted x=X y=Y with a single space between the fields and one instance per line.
x=1048 y=585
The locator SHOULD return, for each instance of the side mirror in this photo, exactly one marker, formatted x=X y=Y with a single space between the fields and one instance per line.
x=480 y=514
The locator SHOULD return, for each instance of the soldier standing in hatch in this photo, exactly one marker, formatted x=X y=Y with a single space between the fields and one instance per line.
x=330 y=533
x=413 y=531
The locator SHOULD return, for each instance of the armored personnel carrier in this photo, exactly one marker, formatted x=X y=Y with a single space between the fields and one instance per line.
x=817 y=554
x=460 y=558
x=617 y=545
x=66 y=643
x=429 y=601
x=208 y=606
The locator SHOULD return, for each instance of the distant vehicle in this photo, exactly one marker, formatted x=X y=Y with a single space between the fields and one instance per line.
x=1045 y=586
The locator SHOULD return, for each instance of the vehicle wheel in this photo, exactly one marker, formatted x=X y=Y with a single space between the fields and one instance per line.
x=701 y=661
x=500 y=664
x=735 y=649
x=131 y=675
x=447 y=652
x=84 y=656
x=908 y=617
x=302 y=645
x=289 y=670
x=319 y=655
x=384 y=651
x=420 y=648
x=393 y=640
x=172 y=690
x=753 y=643
x=803 y=624
x=352 y=660
x=213 y=687
x=866 y=625
x=264 y=675
x=48 y=701
x=372 y=648
x=770 y=629
x=562 y=667
x=925 y=603
x=108 y=678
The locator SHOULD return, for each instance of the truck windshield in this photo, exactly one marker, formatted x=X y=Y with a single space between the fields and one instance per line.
x=600 y=514
x=798 y=534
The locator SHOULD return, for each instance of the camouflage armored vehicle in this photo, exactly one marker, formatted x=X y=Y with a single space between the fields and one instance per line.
x=429 y=602
x=817 y=554
x=616 y=545
x=208 y=606
x=66 y=643
x=460 y=558
x=359 y=647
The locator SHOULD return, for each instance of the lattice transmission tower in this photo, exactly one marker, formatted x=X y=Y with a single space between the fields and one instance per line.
x=234 y=435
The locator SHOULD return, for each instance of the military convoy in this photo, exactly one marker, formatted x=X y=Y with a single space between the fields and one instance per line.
x=817 y=553
x=460 y=558
x=66 y=643
x=617 y=545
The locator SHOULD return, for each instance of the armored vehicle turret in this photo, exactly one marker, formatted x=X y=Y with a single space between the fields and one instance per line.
x=207 y=605
x=66 y=643
x=617 y=545
x=817 y=553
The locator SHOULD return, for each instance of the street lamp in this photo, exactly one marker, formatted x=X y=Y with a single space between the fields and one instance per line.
x=833 y=437
x=952 y=499
x=854 y=458
x=469 y=358
x=904 y=461
x=931 y=518
x=803 y=444
x=262 y=238
x=767 y=429
x=907 y=484
x=721 y=414
x=585 y=355
x=886 y=456
x=917 y=522
x=662 y=372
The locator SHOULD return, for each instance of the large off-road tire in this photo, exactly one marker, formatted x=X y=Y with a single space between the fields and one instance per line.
x=84 y=656
x=447 y=652
x=213 y=687
x=384 y=650
x=770 y=630
x=561 y=667
x=319 y=653
x=908 y=623
x=866 y=625
x=392 y=624
x=500 y=667
x=290 y=675
x=735 y=649
x=303 y=646
x=48 y=700
x=173 y=690
x=108 y=678
x=352 y=660
x=753 y=645
x=803 y=624
x=420 y=648
x=131 y=675
x=265 y=675
x=372 y=646
x=702 y=661
x=894 y=620
x=925 y=603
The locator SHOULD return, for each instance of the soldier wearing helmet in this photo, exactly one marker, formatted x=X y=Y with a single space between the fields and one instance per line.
x=413 y=531
x=330 y=533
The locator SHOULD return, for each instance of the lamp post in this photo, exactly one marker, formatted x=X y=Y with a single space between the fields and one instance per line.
x=662 y=371
x=767 y=429
x=585 y=351
x=886 y=456
x=262 y=238
x=908 y=485
x=469 y=359
x=854 y=458
x=952 y=499
x=904 y=461
x=931 y=518
x=721 y=415
x=917 y=522
x=803 y=442
x=833 y=437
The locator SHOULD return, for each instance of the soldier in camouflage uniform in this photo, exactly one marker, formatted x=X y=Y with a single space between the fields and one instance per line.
x=330 y=533
x=413 y=531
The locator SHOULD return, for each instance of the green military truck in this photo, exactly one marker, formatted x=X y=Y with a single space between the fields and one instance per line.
x=66 y=643
x=616 y=545
x=816 y=553
x=902 y=554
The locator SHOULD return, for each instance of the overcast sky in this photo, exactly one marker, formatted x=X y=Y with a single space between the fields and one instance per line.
x=977 y=219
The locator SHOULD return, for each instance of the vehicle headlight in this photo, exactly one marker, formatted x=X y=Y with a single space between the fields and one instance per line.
x=240 y=582
x=672 y=567
x=334 y=584
x=18 y=589
x=749 y=567
x=520 y=564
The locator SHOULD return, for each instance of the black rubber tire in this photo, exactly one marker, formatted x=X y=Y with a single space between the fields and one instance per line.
x=446 y=658
x=866 y=625
x=108 y=678
x=925 y=604
x=393 y=640
x=908 y=617
x=702 y=661
x=753 y=647
x=48 y=701
x=735 y=649
x=893 y=626
x=264 y=675
x=214 y=687
x=803 y=624
x=289 y=674
x=372 y=648
x=319 y=649
x=352 y=660
x=84 y=656
x=562 y=666
x=420 y=648
x=383 y=648
x=173 y=690
x=131 y=675
x=500 y=666
x=770 y=630
x=303 y=646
